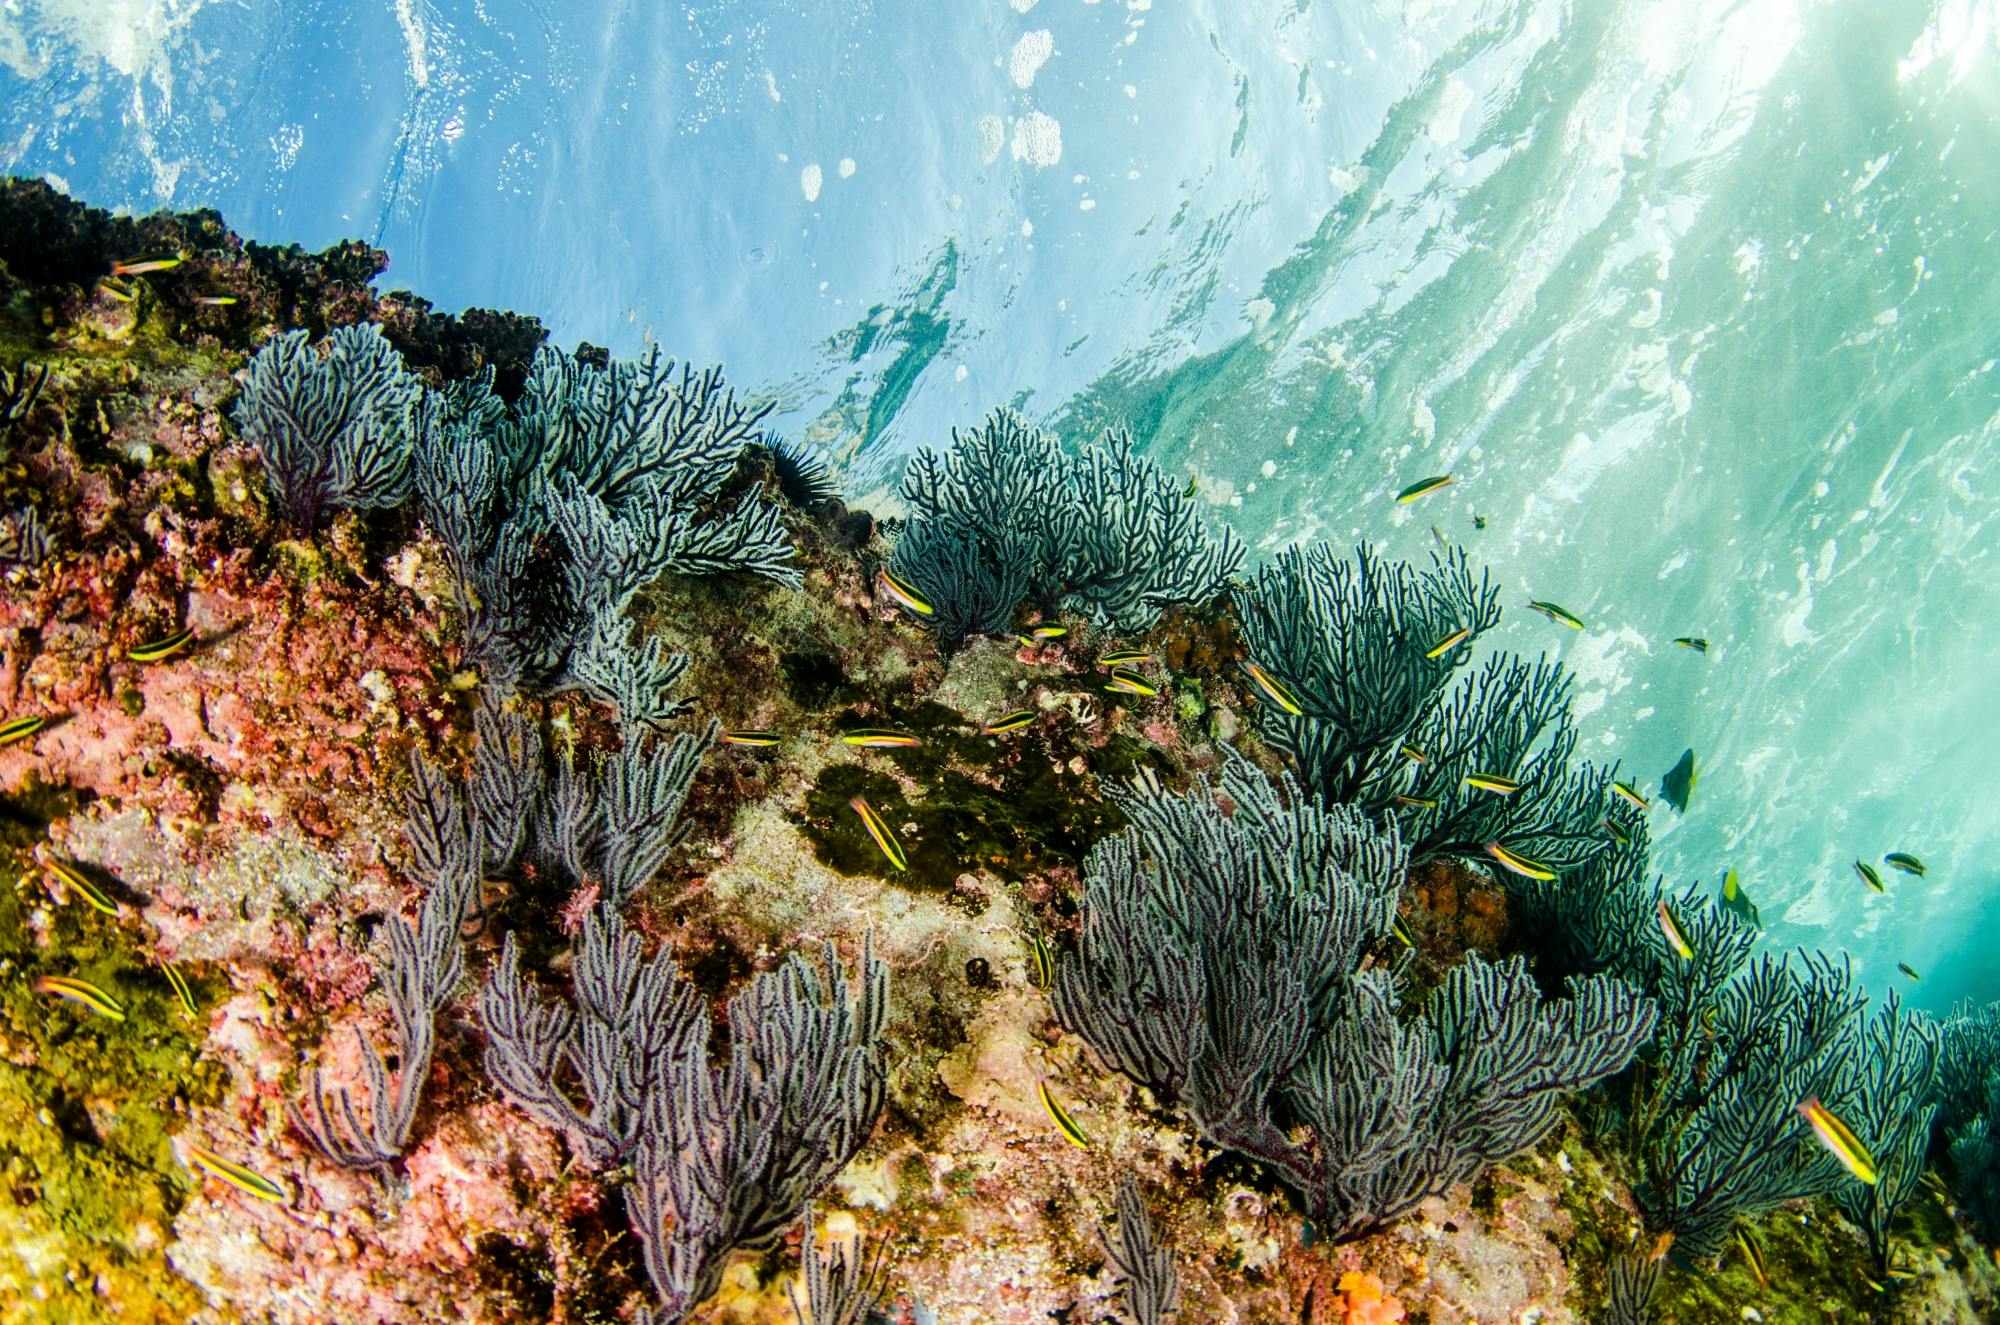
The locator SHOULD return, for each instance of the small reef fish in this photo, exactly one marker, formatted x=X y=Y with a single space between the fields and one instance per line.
x=1835 y=1136
x=750 y=736
x=1450 y=642
x=115 y=290
x=1619 y=832
x=163 y=648
x=203 y=1160
x=1907 y=971
x=1417 y=802
x=1193 y=483
x=1010 y=722
x=904 y=592
x=1414 y=755
x=1869 y=875
x=1753 y=1256
x=1274 y=689
x=1737 y=903
x=1631 y=794
x=1493 y=782
x=1678 y=784
x=878 y=828
x=1905 y=862
x=214 y=300
x=1672 y=929
x=183 y=994
x=880 y=738
x=1695 y=642
x=1050 y=632
x=81 y=991
x=1478 y=520
x=1057 y=1115
x=20 y=729
x=1041 y=967
x=1423 y=488
x=1556 y=613
x=78 y=884
x=1661 y=1245
x=1123 y=658
x=1129 y=683
x=143 y=266
x=1437 y=534
x=1402 y=932
x=1519 y=864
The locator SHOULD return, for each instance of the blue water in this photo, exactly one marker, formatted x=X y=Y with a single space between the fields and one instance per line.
x=1697 y=299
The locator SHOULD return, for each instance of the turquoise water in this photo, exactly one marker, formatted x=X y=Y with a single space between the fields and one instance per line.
x=1696 y=299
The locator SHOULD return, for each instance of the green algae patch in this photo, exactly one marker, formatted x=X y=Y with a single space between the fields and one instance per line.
x=87 y=1106
x=1027 y=810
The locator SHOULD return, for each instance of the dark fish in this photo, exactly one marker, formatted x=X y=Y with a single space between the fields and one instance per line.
x=181 y=990
x=1737 y=904
x=1619 y=832
x=1907 y=971
x=1695 y=642
x=1905 y=862
x=1869 y=875
x=1678 y=784
x=1043 y=967
x=1402 y=932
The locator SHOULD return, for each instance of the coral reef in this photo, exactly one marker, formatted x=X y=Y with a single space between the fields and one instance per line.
x=1219 y=967
x=1007 y=514
x=265 y=767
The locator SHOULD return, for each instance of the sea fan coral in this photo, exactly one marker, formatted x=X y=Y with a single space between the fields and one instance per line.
x=336 y=427
x=1007 y=513
x=1218 y=967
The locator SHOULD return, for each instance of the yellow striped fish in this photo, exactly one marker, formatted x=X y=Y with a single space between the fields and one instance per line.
x=1450 y=642
x=1042 y=967
x=20 y=729
x=1631 y=794
x=1869 y=876
x=904 y=592
x=1835 y=1136
x=214 y=300
x=1123 y=658
x=1123 y=682
x=1519 y=864
x=76 y=882
x=1402 y=932
x=880 y=738
x=750 y=736
x=1619 y=832
x=1493 y=782
x=1672 y=929
x=1064 y=1123
x=878 y=828
x=1753 y=1255
x=81 y=991
x=1423 y=488
x=1414 y=755
x=1556 y=613
x=1274 y=689
x=203 y=1160
x=182 y=992
x=143 y=266
x=1050 y=632
x=1418 y=802
x=164 y=647
x=1010 y=722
